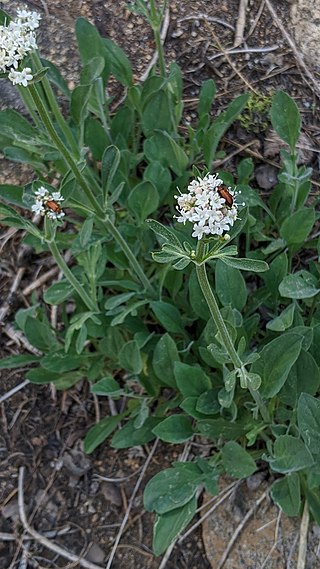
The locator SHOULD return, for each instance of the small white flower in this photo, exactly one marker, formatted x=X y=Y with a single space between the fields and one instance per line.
x=48 y=204
x=16 y=40
x=57 y=197
x=38 y=208
x=21 y=77
x=208 y=205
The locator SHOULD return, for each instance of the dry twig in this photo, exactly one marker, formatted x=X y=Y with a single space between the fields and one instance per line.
x=133 y=495
x=302 y=554
x=297 y=54
x=241 y=22
x=40 y=538
x=239 y=529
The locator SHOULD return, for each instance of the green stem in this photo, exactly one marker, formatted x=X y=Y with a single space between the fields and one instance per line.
x=156 y=26
x=130 y=256
x=71 y=278
x=29 y=104
x=64 y=151
x=222 y=329
x=260 y=404
x=55 y=107
x=296 y=183
x=214 y=308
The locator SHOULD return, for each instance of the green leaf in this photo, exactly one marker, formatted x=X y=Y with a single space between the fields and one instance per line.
x=309 y=421
x=172 y=487
x=143 y=200
x=285 y=118
x=17 y=128
x=237 y=461
x=109 y=166
x=130 y=357
x=197 y=300
x=164 y=357
x=276 y=359
x=60 y=362
x=95 y=137
x=278 y=269
x=159 y=176
x=283 y=321
x=164 y=232
x=296 y=227
x=230 y=286
x=313 y=499
x=40 y=334
x=58 y=292
x=285 y=493
x=161 y=119
x=92 y=70
x=12 y=194
x=191 y=380
x=290 y=455
x=128 y=436
x=299 y=285
x=168 y=526
x=12 y=362
x=246 y=264
x=174 y=429
x=304 y=376
x=208 y=403
x=206 y=96
x=189 y=406
x=168 y=316
x=55 y=77
x=99 y=432
x=119 y=63
x=215 y=428
x=220 y=126
x=106 y=386
x=79 y=103
x=91 y=44
x=163 y=148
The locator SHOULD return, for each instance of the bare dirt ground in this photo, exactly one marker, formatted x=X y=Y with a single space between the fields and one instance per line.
x=79 y=501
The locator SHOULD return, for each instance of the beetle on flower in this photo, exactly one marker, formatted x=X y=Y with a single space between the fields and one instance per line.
x=48 y=204
x=206 y=207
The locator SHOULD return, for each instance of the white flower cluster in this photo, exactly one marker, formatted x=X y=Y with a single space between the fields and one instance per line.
x=48 y=204
x=208 y=205
x=16 y=40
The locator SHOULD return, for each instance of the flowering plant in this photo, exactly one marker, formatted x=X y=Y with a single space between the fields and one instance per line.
x=192 y=348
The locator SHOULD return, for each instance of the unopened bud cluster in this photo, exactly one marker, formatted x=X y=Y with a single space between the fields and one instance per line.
x=48 y=204
x=206 y=207
x=17 y=39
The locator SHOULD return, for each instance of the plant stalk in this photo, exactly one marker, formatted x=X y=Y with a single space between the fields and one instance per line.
x=55 y=107
x=222 y=329
x=78 y=287
x=156 y=26
x=64 y=151
x=214 y=308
